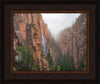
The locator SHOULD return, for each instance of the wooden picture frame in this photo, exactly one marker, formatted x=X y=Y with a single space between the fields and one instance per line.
x=46 y=72
x=8 y=9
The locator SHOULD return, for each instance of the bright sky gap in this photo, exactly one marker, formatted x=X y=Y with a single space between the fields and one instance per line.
x=59 y=21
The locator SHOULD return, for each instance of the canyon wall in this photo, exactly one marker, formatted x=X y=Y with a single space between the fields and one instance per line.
x=74 y=40
x=28 y=28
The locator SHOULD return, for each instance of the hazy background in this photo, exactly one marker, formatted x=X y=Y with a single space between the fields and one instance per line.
x=59 y=21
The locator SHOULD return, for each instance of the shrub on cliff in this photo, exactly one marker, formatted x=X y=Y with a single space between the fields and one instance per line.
x=31 y=24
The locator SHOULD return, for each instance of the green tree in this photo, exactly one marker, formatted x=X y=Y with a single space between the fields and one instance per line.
x=58 y=68
x=66 y=63
x=50 y=60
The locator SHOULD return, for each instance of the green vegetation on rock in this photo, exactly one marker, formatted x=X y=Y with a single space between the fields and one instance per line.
x=31 y=24
x=27 y=61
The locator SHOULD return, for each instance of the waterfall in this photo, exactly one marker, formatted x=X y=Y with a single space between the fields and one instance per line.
x=43 y=42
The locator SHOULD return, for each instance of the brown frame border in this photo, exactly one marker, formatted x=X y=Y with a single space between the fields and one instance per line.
x=50 y=72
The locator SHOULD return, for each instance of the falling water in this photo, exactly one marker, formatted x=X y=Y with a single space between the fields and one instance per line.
x=43 y=42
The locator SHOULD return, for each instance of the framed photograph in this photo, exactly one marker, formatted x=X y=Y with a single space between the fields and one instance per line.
x=51 y=41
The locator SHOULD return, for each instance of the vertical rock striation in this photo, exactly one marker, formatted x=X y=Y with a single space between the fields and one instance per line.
x=27 y=28
x=74 y=40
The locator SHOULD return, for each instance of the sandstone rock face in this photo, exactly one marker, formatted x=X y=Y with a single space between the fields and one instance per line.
x=74 y=40
x=27 y=28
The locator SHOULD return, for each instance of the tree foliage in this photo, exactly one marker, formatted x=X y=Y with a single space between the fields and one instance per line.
x=27 y=61
x=65 y=63
x=50 y=60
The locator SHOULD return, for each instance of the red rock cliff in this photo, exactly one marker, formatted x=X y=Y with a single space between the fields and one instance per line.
x=28 y=27
x=74 y=40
